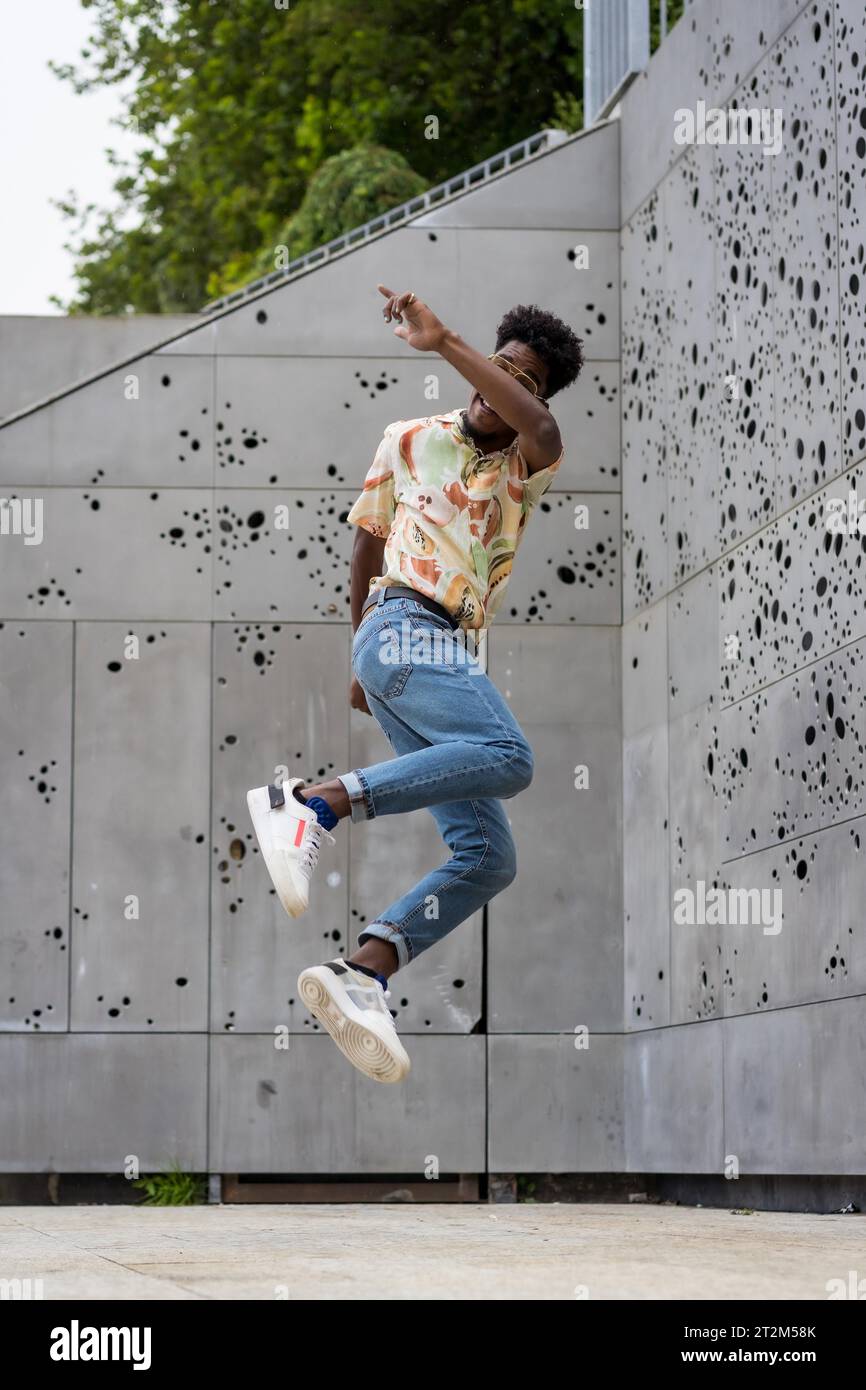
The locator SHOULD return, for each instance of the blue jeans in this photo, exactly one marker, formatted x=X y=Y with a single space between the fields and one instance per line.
x=460 y=751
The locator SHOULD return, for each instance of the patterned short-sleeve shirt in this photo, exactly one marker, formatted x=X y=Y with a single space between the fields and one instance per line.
x=452 y=519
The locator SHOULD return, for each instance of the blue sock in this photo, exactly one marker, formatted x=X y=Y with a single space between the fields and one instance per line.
x=365 y=970
x=324 y=814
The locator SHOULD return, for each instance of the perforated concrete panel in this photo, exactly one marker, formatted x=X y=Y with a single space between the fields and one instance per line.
x=282 y=555
x=695 y=645
x=850 y=52
x=792 y=757
x=645 y=670
x=35 y=792
x=703 y=59
x=795 y=591
x=804 y=939
x=745 y=285
x=112 y=553
x=589 y=419
x=306 y=1110
x=758 y=764
x=470 y=291
x=499 y=269
x=568 y=566
x=693 y=385
x=644 y=481
x=805 y=252
x=140 y=832
x=564 y=689
x=308 y=315
x=198 y=498
x=316 y=422
x=279 y=710
x=148 y=423
x=732 y=733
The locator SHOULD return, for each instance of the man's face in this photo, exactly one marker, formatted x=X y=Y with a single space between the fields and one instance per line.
x=482 y=419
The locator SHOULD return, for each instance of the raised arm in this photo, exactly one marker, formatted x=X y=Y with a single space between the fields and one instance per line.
x=538 y=433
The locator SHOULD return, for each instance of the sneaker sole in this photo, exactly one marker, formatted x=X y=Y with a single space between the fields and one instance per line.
x=259 y=806
x=361 y=1045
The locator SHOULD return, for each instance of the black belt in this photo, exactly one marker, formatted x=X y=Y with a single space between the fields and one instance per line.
x=400 y=591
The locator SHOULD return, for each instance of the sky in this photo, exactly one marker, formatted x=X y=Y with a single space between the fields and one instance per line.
x=51 y=141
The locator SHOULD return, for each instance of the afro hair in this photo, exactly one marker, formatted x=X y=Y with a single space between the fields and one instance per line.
x=549 y=337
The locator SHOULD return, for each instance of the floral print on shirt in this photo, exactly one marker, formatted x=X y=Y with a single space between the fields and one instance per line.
x=452 y=520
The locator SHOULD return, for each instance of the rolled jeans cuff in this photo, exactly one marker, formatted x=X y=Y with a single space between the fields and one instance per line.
x=360 y=796
x=386 y=932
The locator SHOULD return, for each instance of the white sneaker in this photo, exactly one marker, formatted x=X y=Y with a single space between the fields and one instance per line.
x=290 y=837
x=353 y=1008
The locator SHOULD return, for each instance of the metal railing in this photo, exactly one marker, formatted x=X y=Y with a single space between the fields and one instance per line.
x=618 y=38
x=451 y=188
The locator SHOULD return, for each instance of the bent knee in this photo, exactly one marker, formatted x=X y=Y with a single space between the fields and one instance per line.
x=490 y=862
x=520 y=770
x=501 y=865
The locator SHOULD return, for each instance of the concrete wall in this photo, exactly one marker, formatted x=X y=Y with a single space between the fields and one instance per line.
x=42 y=354
x=743 y=760
x=155 y=1035
x=731 y=282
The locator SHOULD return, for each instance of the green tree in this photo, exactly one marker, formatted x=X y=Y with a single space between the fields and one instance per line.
x=238 y=105
x=673 y=12
x=348 y=190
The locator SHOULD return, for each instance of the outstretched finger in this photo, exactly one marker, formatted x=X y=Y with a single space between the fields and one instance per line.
x=389 y=307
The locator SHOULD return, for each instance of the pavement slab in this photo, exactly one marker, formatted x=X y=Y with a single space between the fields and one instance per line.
x=523 y=1251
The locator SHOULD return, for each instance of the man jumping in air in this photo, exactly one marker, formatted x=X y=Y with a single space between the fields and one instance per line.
x=443 y=510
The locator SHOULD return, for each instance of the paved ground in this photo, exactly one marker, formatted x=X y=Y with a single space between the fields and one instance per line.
x=438 y=1252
